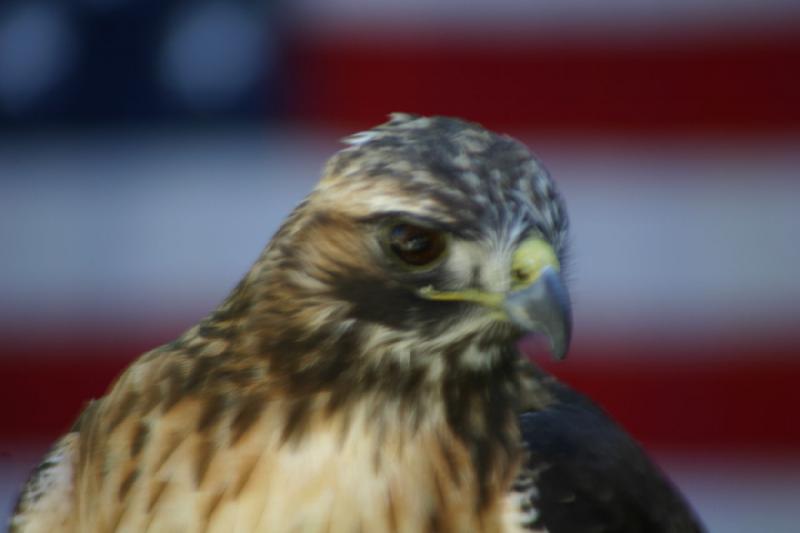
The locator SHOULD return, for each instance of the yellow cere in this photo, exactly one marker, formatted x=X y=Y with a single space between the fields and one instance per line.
x=530 y=258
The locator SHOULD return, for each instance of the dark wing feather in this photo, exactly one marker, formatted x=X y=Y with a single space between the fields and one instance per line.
x=591 y=476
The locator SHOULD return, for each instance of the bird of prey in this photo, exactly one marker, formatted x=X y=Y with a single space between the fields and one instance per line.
x=364 y=377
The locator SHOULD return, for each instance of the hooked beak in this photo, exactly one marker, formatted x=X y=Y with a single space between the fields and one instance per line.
x=543 y=307
x=538 y=301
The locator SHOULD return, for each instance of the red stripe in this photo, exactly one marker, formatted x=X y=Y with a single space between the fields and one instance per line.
x=735 y=83
x=727 y=397
x=734 y=397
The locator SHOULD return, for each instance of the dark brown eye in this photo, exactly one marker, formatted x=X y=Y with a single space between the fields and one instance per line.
x=416 y=245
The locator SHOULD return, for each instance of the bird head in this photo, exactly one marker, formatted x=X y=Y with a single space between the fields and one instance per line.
x=425 y=236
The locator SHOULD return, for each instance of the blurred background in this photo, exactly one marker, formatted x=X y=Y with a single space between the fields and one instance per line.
x=149 y=149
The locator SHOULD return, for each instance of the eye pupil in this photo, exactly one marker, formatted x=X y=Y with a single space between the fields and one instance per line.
x=416 y=245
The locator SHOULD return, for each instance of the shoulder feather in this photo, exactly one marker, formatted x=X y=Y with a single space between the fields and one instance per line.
x=46 y=501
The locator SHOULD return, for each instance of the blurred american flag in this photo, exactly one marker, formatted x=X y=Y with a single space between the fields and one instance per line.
x=159 y=144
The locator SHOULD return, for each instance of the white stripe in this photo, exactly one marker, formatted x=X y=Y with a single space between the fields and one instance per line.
x=690 y=239
x=697 y=238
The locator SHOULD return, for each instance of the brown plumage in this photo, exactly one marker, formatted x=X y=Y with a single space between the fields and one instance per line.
x=329 y=391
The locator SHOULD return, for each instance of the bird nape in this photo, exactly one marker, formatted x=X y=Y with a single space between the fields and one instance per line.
x=364 y=375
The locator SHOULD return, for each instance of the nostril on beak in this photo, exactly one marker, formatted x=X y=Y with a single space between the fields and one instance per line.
x=519 y=276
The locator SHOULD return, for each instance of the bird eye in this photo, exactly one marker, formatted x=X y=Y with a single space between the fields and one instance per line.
x=415 y=245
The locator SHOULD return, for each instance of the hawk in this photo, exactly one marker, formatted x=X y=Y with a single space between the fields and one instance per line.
x=364 y=375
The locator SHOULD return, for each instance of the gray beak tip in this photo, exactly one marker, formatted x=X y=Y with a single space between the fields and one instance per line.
x=544 y=307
